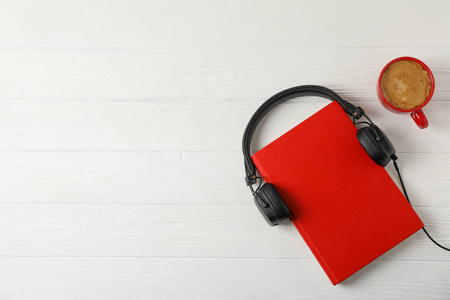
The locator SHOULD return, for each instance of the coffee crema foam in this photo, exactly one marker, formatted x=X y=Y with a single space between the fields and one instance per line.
x=406 y=84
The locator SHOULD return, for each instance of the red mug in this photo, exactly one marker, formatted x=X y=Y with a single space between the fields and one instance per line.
x=416 y=113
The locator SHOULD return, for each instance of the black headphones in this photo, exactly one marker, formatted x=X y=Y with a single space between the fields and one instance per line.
x=372 y=139
x=267 y=199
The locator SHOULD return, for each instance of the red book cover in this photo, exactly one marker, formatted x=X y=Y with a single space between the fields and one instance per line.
x=345 y=206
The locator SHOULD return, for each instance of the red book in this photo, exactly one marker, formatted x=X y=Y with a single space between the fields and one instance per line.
x=346 y=207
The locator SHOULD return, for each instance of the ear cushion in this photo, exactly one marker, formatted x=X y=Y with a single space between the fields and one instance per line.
x=380 y=151
x=271 y=205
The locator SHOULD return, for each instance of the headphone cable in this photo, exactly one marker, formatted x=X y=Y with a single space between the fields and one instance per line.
x=394 y=159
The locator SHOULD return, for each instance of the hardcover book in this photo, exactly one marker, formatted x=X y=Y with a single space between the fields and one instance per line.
x=345 y=206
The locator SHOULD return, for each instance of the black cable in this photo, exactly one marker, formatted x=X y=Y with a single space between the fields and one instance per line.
x=394 y=159
x=254 y=192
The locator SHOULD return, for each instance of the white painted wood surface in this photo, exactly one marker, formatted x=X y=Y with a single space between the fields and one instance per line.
x=120 y=128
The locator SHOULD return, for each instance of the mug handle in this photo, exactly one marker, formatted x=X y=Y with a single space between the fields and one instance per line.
x=420 y=118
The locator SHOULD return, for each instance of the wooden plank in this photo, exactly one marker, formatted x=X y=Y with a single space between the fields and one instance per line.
x=122 y=177
x=202 y=74
x=213 y=178
x=201 y=231
x=225 y=24
x=189 y=126
x=138 y=278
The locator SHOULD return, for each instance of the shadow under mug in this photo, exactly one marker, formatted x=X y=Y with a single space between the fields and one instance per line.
x=416 y=113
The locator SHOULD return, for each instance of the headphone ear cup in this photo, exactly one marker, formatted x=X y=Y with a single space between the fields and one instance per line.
x=381 y=150
x=271 y=205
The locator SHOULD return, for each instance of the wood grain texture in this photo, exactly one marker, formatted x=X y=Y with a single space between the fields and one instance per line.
x=202 y=74
x=189 y=126
x=121 y=125
x=223 y=24
x=141 y=278
x=183 y=231
x=172 y=178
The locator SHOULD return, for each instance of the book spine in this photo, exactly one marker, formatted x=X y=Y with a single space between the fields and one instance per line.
x=334 y=280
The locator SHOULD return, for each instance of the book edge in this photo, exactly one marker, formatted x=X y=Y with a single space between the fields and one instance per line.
x=302 y=232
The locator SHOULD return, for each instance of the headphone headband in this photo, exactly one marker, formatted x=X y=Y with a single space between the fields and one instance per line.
x=269 y=104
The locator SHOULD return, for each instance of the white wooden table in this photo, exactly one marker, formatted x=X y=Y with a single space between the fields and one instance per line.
x=120 y=127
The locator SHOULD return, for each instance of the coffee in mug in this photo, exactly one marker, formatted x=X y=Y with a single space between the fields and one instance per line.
x=406 y=84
